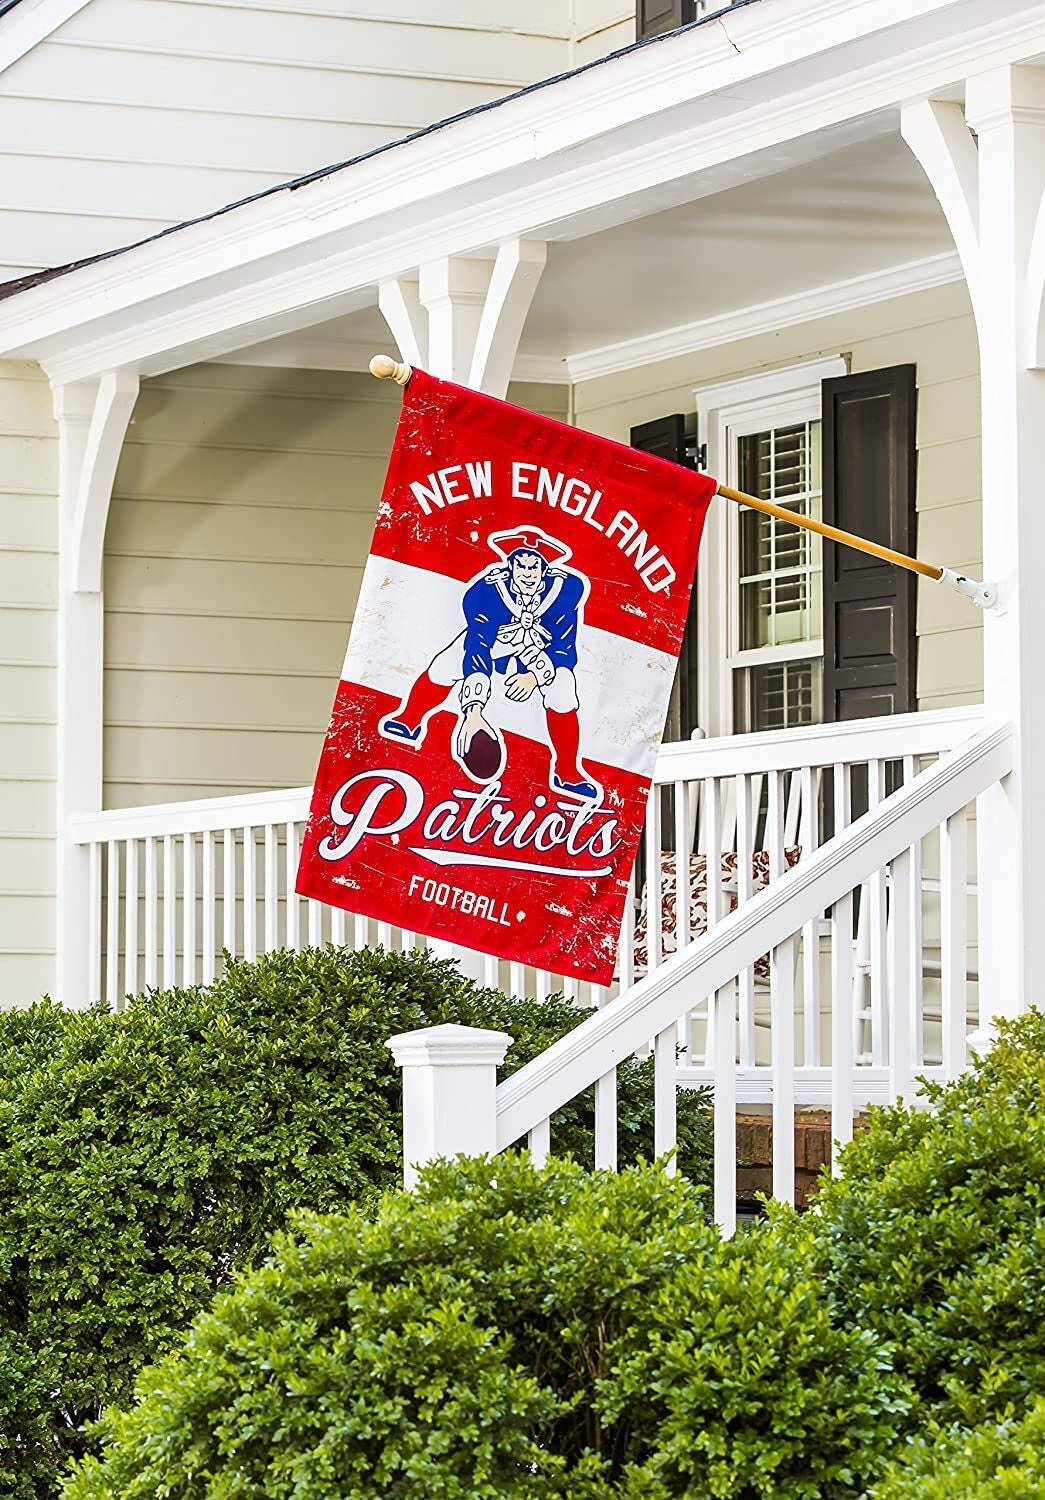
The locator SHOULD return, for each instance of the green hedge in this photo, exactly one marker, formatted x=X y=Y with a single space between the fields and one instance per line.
x=935 y=1235
x=1002 y=1461
x=511 y=1333
x=504 y=1332
x=146 y=1156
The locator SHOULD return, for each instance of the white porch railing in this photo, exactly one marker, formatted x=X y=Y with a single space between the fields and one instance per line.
x=173 y=885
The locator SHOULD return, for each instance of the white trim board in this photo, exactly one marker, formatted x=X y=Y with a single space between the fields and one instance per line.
x=768 y=317
x=31 y=22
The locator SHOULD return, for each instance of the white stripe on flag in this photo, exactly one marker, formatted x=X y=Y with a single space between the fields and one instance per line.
x=405 y=615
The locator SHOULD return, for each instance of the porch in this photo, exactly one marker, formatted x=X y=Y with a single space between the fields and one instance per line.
x=546 y=249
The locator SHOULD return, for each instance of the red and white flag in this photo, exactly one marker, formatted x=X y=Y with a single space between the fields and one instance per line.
x=485 y=774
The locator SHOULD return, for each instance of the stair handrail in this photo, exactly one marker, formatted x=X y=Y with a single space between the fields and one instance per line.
x=776 y=913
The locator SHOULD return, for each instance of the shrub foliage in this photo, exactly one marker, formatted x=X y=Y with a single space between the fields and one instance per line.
x=998 y=1461
x=505 y=1332
x=146 y=1156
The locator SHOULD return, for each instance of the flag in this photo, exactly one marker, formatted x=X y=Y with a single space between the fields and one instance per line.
x=485 y=775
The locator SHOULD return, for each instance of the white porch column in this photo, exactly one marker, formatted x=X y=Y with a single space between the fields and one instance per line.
x=92 y=419
x=449 y=1092
x=990 y=185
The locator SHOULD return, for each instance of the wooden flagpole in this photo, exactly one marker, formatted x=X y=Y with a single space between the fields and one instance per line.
x=984 y=595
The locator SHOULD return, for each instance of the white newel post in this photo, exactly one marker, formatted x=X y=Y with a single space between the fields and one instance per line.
x=92 y=419
x=987 y=166
x=449 y=1092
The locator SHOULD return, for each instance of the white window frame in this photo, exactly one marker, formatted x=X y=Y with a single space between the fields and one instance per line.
x=725 y=412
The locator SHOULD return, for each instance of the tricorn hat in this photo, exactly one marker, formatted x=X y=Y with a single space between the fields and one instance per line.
x=529 y=539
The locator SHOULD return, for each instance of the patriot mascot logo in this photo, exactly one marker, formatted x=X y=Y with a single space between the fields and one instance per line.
x=521 y=622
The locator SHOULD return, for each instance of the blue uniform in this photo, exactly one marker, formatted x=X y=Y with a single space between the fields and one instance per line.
x=546 y=622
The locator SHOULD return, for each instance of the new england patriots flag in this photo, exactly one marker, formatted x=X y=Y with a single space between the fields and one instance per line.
x=485 y=774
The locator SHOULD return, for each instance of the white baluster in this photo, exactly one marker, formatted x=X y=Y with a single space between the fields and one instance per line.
x=665 y=1086
x=877 y=932
x=152 y=934
x=271 y=897
x=492 y=971
x=782 y=1018
x=360 y=931
x=541 y=986
x=606 y=1121
x=170 y=909
x=130 y=912
x=539 y=1142
x=293 y=900
x=112 y=924
x=842 y=1029
x=745 y=841
x=626 y=951
x=228 y=891
x=809 y=839
x=516 y=979
x=209 y=905
x=910 y=770
x=338 y=927
x=315 y=924
x=653 y=882
x=94 y=908
x=250 y=896
x=683 y=841
x=384 y=936
x=954 y=939
x=901 y=964
x=188 y=910
x=723 y=1049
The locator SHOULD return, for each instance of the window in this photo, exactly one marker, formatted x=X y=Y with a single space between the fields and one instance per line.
x=777 y=612
x=760 y=580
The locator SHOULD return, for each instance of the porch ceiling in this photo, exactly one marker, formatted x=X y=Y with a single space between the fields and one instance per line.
x=644 y=149
x=607 y=298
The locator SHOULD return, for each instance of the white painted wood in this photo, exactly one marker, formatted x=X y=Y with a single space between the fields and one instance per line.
x=722 y=1045
x=130 y=913
x=665 y=1135
x=208 y=906
x=30 y=23
x=228 y=891
x=606 y=1121
x=338 y=927
x=170 y=910
x=449 y=1092
x=112 y=924
x=401 y=309
x=293 y=900
x=188 y=910
x=271 y=899
x=745 y=847
x=94 y=906
x=540 y=1142
x=809 y=842
x=117 y=391
x=315 y=924
x=654 y=906
x=954 y=939
x=842 y=1051
x=775 y=914
x=513 y=281
x=250 y=895
x=152 y=933
x=902 y=989
x=782 y=1015
x=1001 y=252
x=360 y=931
x=876 y=931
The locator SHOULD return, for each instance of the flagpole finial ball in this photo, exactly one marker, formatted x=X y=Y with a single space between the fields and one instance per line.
x=384 y=367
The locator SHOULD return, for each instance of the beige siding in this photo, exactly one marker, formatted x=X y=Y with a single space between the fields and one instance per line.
x=241 y=519
x=133 y=116
x=28 y=577
x=601 y=26
x=935 y=331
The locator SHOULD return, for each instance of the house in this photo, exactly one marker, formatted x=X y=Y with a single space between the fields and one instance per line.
x=797 y=241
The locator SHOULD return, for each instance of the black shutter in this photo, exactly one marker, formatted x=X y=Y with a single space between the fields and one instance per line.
x=666 y=437
x=654 y=16
x=869 y=488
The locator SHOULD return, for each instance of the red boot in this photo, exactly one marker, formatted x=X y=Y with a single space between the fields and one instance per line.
x=564 y=731
x=425 y=695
